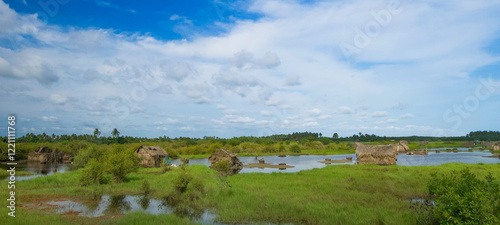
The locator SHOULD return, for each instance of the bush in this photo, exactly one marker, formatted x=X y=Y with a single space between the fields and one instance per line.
x=462 y=198
x=223 y=167
x=119 y=162
x=93 y=173
x=146 y=187
x=116 y=161
x=84 y=156
x=295 y=149
x=182 y=181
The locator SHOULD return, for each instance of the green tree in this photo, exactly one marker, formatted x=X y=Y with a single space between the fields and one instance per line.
x=115 y=133
x=462 y=198
x=295 y=148
x=335 y=136
x=119 y=162
x=97 y=132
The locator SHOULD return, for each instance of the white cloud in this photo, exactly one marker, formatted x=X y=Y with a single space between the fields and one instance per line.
x=49 y=118
x=345 y=110
x=58 y=99
x=315 y=111
x=379 y=114
x=293 y=81
x=162 y=128
x=266 y=113
x=406 y=116
x=181 y=18
x=252 y=67
x=311 y=124
x=186 y=128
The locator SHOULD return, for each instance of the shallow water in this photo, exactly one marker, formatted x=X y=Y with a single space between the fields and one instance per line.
x=434 y=158
x=307 y=162
x=124 y=204
x=39 y=169
x=303 y=162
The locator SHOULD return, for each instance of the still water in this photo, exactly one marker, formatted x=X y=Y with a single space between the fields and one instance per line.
x=124 y=204
x=39 y=169
x=306 y=162
x=303 y=162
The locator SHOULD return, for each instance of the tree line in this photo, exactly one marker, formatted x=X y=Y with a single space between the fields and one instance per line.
x=300 y=137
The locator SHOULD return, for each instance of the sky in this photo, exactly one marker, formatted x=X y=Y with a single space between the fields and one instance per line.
x=226 y=68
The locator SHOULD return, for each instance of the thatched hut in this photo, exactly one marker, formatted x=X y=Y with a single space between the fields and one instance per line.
x=490 y=144
x=221 y=155
x=402 y=147
x=45 y=155
x=376 y=154
x=151 y=156
x=495 y=147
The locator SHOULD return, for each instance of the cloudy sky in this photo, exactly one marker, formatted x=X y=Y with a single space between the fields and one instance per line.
x=250 y=67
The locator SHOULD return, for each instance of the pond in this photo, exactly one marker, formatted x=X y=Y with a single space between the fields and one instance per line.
x=307 y=162
x=38 y=169
x=302 y=162
x=433 y=158
x=124 y=204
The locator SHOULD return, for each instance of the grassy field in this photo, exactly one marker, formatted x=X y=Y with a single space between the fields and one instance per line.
x=340 y=194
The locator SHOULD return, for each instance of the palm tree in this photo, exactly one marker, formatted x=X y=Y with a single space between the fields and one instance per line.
x=97 y=132
x=115 y=133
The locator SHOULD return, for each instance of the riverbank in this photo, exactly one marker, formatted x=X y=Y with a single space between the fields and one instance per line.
x=349 y=194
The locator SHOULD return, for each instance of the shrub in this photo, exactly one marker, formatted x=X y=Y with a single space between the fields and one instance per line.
x=223 y=167
x=84 y=156
x=93 y=173
x=146 y=187
x=119 y=162
x=295 y=148
x=116 y=161
x=462 y=198
x=182 y=181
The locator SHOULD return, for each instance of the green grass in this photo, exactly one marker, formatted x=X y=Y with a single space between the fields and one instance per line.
x=337 y=194
x=4 y=172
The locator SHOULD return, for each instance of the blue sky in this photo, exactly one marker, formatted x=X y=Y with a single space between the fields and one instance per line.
x=255 y=67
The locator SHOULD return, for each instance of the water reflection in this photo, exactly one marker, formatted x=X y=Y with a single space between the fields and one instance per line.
x=123 y=204
x=307 y=162
x=39 y=169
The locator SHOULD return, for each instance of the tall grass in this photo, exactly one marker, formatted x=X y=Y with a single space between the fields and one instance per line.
x=341 y=194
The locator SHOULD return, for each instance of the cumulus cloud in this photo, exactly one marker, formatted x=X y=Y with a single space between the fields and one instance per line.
x=254 y=58
x=58 y=99
x=246 y=60
x=49 y=118
x=311 y=124
x=181 y=18
x=407 y=116
x=293 y=81
x=162 y=128
x=28 y=66
x=379 y=114
x=266 y=113
x=345 y=110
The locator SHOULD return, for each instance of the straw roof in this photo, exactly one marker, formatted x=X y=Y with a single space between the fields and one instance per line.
x=376 y=154
x=402 y=147
x=45 y=155
x=225 y=155
x=151 y=156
